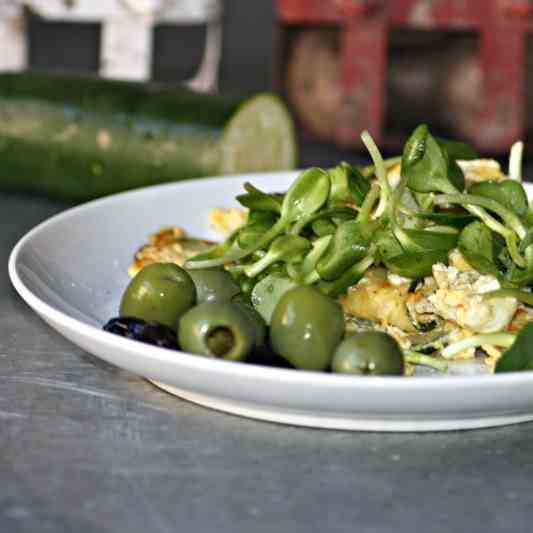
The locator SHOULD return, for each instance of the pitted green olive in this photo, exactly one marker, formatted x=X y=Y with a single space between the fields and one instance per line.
x=220 y=329
x=256 y=321
x=160 y=292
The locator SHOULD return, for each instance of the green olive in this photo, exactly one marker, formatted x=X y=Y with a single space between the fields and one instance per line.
x=160 y=292
x=256 y=320
x=218 y=329
x=369 y=352
x=214 y=285
x=306 y=327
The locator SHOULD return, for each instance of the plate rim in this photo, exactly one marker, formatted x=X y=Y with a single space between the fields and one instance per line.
x=249 y=370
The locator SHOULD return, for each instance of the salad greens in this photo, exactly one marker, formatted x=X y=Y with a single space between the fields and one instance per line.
x=332 y=225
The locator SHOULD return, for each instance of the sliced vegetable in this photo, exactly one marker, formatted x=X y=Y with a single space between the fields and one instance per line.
x=77 y=137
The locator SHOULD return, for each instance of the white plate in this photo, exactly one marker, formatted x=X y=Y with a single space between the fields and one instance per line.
x=72 y=270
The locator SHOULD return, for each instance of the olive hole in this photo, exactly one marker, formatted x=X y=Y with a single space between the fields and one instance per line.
x=220 y=341
x=368 y=368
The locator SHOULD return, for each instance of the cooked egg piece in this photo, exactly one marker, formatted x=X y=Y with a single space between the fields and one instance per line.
x=227 y=220
x=459 y=298
x=169 y=245
x=478 y=170
x=457 y=260
x=375 y=298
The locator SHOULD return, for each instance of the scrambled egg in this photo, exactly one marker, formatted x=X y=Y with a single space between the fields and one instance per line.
x=478 y=170
x=456 y=259
x=226 y=221
x=459 y=299
x=375 y=298
x=169 y=245
x=450 y=303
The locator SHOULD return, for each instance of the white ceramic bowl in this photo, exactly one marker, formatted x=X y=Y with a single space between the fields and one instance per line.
x=72 y=270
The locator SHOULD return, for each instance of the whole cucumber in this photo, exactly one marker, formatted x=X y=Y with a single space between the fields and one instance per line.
x=79 y=138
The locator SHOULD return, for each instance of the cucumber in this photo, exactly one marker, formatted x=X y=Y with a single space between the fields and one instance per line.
x=78 y=138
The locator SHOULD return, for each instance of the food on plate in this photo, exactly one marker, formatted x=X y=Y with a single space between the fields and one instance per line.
x=214 y=285
x=160 y=292
x=371 y=352
x=425 y=260
x=217 y=329
x=168 y=245
x=306 y=327
x=141 y=330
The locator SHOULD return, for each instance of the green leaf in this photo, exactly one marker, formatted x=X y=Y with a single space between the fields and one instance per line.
x=414 y=148
x=509 y=193
x=284 y=248
x=258 y=223
x=427 y=166
x=358 y=184
x=348 y=279
x=217 y=251
x=323 y=226
x=415 y=265
x=307 y=194
x=456 y=220
x=349 y=245
x=457 y=150
x=348 y=185
x=387 y=244
x=456 y=176
x=415 y=240
x=520 y=355
x=477 y=245
x=331 y=214
x=259 y=200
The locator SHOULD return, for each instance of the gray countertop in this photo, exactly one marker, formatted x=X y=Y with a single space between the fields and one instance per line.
x=86 y=447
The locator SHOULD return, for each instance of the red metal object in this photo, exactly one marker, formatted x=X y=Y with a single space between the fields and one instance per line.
x=501 y=24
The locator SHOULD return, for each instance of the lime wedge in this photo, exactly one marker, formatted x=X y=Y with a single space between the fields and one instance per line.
x=259 y=137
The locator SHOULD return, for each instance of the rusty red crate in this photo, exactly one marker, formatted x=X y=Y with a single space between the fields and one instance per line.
x=501 y=25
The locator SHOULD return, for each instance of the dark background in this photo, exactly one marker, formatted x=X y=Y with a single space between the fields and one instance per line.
x=247 y=58
x=247 y=65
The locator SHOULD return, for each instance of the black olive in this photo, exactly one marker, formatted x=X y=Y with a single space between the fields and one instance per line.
x=140 y=330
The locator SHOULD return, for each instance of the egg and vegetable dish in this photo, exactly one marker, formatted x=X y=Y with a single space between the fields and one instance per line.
x=422 y=260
